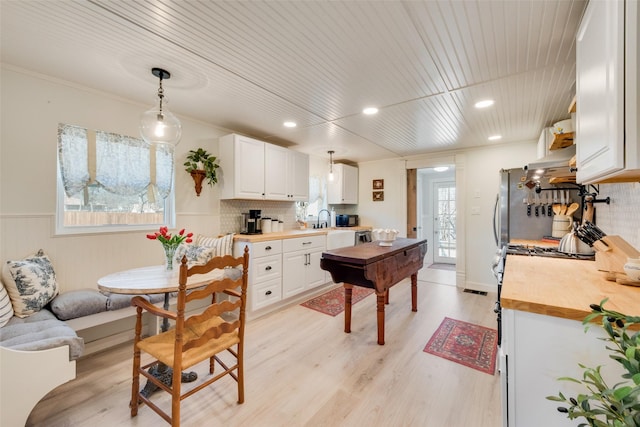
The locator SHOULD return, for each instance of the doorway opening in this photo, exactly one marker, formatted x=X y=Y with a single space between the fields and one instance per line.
x=436 y=215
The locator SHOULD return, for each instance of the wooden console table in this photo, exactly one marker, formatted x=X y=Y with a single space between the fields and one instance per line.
x=377 y=267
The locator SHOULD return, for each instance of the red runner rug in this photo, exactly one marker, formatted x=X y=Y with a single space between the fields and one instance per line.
x=470 y=345
x=332 y=302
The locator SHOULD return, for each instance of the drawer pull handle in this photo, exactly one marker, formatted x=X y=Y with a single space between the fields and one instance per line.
x=306 y=243
x=268 y=248
x=268 y=293
x=268 y=267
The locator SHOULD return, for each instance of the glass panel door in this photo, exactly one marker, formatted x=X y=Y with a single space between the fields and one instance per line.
x=444 y=229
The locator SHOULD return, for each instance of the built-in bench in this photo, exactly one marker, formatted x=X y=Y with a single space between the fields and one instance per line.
x=39 y=352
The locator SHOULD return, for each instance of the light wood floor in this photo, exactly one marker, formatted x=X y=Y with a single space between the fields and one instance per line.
x=303 y=370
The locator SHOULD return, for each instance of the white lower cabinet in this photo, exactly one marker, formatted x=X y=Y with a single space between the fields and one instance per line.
x=301 y=264
x=279 y=269
x=539 y=349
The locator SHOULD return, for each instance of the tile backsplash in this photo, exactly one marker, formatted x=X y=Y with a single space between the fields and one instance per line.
x=230 y=211
x=622 y=216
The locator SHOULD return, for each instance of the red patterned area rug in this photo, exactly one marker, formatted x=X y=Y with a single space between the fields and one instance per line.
x=470 y=345
x=332 y=302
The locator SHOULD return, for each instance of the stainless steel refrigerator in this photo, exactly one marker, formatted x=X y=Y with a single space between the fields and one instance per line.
x=521 y=212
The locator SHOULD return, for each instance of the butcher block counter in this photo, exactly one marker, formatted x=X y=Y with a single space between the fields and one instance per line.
x=291 y=234
x=562 y=288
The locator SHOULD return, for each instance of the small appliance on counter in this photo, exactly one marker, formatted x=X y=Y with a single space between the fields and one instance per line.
x=251 y=222
x=346 y=220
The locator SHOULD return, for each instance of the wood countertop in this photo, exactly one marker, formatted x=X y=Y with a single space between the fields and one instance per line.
x=562 y=288
x=291 y=234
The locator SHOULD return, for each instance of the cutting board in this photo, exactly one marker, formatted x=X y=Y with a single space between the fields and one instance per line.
x=612 y=255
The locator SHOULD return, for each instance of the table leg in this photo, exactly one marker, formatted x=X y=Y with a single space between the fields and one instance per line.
x=348 y=294
x=414 y=292
x=162 y=371
x=380 y=303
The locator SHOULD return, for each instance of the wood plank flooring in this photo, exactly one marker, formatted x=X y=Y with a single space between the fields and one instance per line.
x=303 y=370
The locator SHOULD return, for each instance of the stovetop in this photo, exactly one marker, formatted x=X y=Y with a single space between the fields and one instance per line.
x=550 y=252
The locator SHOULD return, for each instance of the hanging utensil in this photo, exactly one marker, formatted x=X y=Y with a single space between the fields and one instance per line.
x=529 y=203
x=537 y=204
x=587 y=216
x=572 y=208
x=549 y=205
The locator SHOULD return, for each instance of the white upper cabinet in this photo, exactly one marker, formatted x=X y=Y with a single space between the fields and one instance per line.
x=298 y=176
x=607 y=93
x=344 y=187
x=253 y=169
x=275 y=177
x=242 y=163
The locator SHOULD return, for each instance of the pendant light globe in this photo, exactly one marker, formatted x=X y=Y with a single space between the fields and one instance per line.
x=159 y=125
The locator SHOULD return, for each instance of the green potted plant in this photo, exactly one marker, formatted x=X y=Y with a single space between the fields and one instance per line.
x=604 y=405
x=201 y=165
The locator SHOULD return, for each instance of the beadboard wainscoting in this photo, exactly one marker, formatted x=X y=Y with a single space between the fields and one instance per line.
x=80 y=260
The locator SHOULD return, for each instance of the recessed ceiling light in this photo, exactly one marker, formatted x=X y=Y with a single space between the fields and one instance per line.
x=290 y=124
x=495 y=137
x=484 y=103
x=370 y=110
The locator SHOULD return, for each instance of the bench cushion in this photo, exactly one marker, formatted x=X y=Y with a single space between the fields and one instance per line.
x=40 y=331
x=77 y=303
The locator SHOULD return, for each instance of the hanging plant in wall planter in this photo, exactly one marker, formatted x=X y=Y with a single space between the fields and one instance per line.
x=201 y=165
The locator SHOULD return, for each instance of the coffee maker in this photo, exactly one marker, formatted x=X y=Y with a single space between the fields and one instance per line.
x=253 y=221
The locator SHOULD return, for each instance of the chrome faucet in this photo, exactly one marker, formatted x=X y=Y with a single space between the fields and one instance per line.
x=326 y=224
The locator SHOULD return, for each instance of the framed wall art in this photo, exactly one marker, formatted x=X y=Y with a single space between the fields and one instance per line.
x=378 y=196
x=378 y=184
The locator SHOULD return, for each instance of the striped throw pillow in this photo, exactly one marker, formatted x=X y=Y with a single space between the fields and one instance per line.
x=221 y=245
x=6 y=309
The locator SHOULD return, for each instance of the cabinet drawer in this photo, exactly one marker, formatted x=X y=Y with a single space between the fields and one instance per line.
x=266 y=268
x=303 y=243
x=270 y=247
x=259 y=249
x=265 y=294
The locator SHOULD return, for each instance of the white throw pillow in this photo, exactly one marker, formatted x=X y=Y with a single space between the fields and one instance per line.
x=6 y=309
x=30 y=282
x=221 y=245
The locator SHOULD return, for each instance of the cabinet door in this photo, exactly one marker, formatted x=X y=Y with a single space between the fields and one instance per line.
x=298 y=176
x=275 y=178
x=600 y=90
x=294 y=266
x=315 y=276
x=249 y=168
x=350 y=184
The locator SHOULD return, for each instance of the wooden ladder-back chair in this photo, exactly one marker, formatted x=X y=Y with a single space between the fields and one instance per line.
x=218 y=327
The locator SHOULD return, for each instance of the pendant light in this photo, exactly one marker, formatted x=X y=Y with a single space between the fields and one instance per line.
x=331 y=164
x=158 y=125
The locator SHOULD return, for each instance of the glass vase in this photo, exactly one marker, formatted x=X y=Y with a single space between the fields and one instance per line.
x=169 y=255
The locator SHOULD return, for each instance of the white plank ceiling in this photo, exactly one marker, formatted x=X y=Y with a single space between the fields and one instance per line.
x=249 y=66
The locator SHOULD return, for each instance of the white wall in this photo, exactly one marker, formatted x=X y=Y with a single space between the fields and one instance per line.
x=391 y=212
x=32 y=106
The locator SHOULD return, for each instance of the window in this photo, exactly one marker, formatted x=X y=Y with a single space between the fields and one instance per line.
x=110 y=182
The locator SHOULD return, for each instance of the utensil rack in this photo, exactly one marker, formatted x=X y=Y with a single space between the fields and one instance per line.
x=612 y=253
